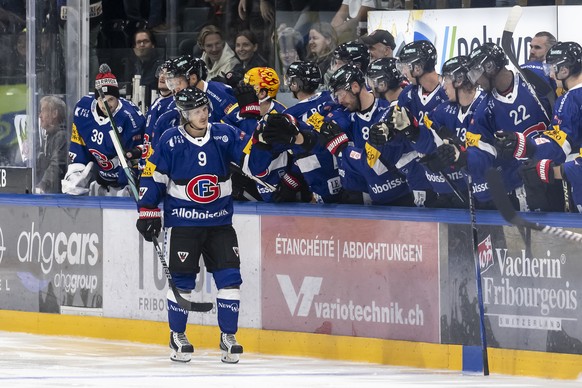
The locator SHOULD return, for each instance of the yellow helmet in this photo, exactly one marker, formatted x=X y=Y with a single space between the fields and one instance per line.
x=263 y=78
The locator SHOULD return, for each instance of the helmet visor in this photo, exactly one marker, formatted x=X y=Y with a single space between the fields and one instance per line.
x=475 y=73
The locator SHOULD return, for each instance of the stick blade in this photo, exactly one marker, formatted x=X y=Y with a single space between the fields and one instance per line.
x=513 y=18
x=201 y=307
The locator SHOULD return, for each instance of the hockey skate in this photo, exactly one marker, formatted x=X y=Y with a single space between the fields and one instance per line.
x=182 y=349
x=231 y=350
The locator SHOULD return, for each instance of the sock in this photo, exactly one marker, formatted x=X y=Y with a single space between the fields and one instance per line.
x=227 y=303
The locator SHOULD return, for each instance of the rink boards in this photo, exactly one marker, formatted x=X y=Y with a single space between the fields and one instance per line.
x=386 y=285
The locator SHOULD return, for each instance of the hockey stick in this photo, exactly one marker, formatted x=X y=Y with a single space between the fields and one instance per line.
x=475 y=241
x=184 y=303
x=533 y=81
x=498 y=193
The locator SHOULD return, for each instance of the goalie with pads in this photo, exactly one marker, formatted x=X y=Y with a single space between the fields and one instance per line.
x=94 y=166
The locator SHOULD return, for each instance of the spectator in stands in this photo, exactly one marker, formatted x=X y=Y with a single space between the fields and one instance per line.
x=290 y=47
x=51 y=163
x=246 y=49
x=322 y=42
x=380 y=44
x=351 y=19
x=144 y=59
x=218 y=56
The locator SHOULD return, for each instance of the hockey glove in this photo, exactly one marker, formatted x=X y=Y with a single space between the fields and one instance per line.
x=535 y=173
x=511 y=145
x=258 y=138
x=404 y=122
x=433 y=162
x=333 y=138
x=280 y=128
x=149 y=223
x=248 y=101
x=451 y=155
x=380 y=134
x=288 y=188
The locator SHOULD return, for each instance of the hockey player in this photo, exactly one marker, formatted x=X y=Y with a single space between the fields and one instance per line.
x=511 y=106
x=417 y=63
x=293 y=169
x=563 y=139
x=91 y=144
x=346 y=139
x=192 y=72
x=385 y=79
x=189 y=171
x=161 y=105
x=350 y=53
x=447 y=124
x=255 y=98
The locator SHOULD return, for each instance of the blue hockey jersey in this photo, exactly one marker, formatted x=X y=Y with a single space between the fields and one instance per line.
x=517 y=111
x=447 y=120
x=564 y=135
x=90 y=139
x=197 y=193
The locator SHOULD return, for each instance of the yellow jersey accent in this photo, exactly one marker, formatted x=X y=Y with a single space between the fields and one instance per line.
x=75 y=137
x=372 y=155
x=149 y=169
x=315 y=120
x=557 y=135
x=473 y=139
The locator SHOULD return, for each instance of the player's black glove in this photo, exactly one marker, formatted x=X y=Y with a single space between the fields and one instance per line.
x=404 y=122
x=149 y=223
x=511 y=145
x=289 y=186
x=433 y=162
x=452 y=155
x=380 y=134
x=333 y=138
x=280 y=128
x=248 y=101
x=258 y=138
x=536 y=173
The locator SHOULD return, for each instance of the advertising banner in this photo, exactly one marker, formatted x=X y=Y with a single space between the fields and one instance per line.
x=50 y=258
x=530 y=289
x=458 y=31
x=363 y=278
x=136 y=286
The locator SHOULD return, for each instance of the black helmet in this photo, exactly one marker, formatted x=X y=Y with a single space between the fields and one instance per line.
x=306 y=74
x=186 y=65
x=166 y=67
x=489 y=56
x=354 y=53
x=421 y=51
x=190 y=98
x=344 y=76
x=457 y=68
x=384 y=69
x=567 y=54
